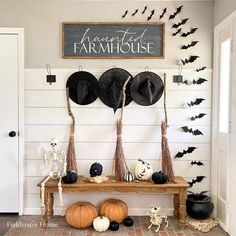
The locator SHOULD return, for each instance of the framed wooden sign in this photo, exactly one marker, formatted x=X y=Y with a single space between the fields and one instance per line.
x=113 y=40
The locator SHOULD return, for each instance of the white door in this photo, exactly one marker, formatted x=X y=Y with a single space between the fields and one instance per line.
x=223 y=67
x=9 y=110
x=232 y=163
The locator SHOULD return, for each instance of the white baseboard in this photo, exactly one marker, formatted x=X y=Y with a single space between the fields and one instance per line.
x=132 y=211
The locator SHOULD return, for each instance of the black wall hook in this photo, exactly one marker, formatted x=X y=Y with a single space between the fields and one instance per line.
x=50 y=78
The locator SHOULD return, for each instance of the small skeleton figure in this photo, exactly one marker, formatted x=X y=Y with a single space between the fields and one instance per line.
x=156 y=217
x=56 y=161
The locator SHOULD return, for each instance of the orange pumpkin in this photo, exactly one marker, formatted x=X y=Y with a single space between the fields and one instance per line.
x=81 y=214
x=114 y=210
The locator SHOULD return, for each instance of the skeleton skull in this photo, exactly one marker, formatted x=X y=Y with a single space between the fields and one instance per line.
x=154 y=209
x=54 y=142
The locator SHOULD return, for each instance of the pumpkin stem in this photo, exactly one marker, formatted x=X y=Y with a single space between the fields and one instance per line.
x=141 y=161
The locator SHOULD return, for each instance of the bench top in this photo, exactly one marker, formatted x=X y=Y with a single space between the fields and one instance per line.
x=117 y=186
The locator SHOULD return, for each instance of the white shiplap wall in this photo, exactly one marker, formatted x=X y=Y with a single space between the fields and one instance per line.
x=46 y=117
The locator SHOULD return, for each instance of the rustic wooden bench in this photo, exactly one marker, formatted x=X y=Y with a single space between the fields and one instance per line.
x=178 y=189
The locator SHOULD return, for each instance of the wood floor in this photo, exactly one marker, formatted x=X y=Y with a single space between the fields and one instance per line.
x=11 y=225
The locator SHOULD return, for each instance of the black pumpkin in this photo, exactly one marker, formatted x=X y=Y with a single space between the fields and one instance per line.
x=95 y=169
x=114 y=226
x=159 y=177
x=70 y=177
x=128 y=221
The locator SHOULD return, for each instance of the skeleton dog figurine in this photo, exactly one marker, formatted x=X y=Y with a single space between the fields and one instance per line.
x=56 y=161
x=156 y=217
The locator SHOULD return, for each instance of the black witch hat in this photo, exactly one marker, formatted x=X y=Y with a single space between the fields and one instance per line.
x=146 y=88
x=83 y=87
x=110 y=84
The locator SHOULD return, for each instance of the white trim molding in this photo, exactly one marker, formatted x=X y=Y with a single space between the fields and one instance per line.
x=132 y=211
x=20 y=33
x=21 y=119
x=140 y=1
x=215 y=111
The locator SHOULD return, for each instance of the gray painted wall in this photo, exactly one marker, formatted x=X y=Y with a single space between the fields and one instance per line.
x=223 y=8
x=42 y=22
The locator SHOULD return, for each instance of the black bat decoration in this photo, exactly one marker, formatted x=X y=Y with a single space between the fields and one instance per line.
x=196 y=102
x=181 y=154
x=180 y=23
x=144 y=10
x=177 y=32
x=126 y=12
x=152 y=13
x=192 y=44
x=178 y=10
x=198 y=179
x=201 y=69
x=191 y=59
x=198 y=116
x=198 y=81
x=198 y=163
x=135 y=12
x=192 y=31
x=163 y=13
x=196 y=132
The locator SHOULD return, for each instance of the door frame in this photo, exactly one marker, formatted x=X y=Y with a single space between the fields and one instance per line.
x=20 y=33
x=215 y=111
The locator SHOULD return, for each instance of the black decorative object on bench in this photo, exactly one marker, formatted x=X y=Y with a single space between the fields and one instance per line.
x=70 y=177
x=95 y=169
x=159 y=177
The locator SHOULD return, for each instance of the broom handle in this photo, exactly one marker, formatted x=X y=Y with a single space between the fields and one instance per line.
x=124 y=97
x=122 y=109
x=166 y=118
x=69 y=107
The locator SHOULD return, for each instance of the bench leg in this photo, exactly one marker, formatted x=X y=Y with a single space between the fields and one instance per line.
x=50 y=212
x=44 y=219
x=176 y=205
x=182 y=207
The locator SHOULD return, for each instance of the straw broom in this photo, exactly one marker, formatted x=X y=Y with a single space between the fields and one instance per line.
x=120 y=165
x=166 y=157
x=71 y=158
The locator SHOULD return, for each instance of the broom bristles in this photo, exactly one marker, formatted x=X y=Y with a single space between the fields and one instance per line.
x=120 y=166
x=71 y=156
x=166 y=156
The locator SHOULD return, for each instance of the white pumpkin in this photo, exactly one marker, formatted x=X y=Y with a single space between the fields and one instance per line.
x=101 y=223
x=143 y=170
